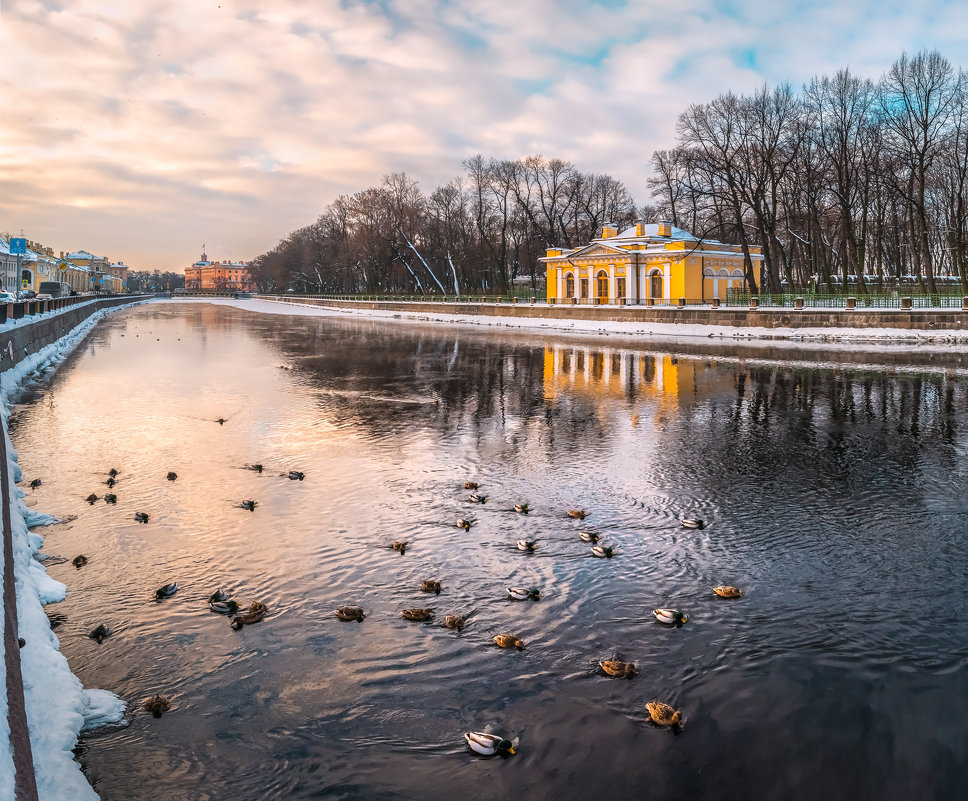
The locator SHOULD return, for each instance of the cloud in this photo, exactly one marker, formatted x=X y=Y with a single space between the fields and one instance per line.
x=141 y=130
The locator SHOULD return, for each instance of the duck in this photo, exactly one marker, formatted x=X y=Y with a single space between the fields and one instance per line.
x=79 y=561
x=509 y=641
x=615 y=667
x=524 y=593
x=141 y=517
x=470 y=485
x=100 y=633
x=725 y=591
x=588 y=536
x=172 y=475
x=664 y=715
x=671 y=616
x=399 y=545
x=254 y=614
x=157 y=705
x=417 y=614
x=221 y=421
x=217 y=596
x=464 y=523
x=523 y=508
x=226 y=607
x=110 y=497
x=488 y=744
x=577 y=514
x=35 y=483
x=166 y=590
x=295 y=475
x=249 y=505
x=91 y=499
x=455 y=622
x=351 y=613
x=692 y=522
x=110 y=482
x=475 y=498
x=429 y=585
x=256 y=467
x=113 y=472
x=527 y=545
x=603 y=552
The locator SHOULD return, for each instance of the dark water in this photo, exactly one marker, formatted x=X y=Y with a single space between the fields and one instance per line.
x=835 y=499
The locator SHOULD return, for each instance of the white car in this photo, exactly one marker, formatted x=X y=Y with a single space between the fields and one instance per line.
x=7 y=297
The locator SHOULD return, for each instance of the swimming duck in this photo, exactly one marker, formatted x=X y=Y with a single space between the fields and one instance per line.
x=110 y=482
x=417 y=614
x=475 y=498
x=351 y=613
x=614 y=667
x=464 y=524
x=523 y=593
x=527 y=545
x=167 y=589
x=157 y=705
x=110 y=497
x=588 y=536
x=671 y=616
x=523 y=508
x=113 y=472
x=217 y=596
x=429 y=585
x=455 y=622
x=80 y=560
x=725 y=591
x=295 y=475
x=509 y=641
x=172 y=475
x=488 y=744
x=399 y=545
x=221 y=420
x=256 y=467
x=249 y=505
x=577 y=514
x=35 y=483
x=255 y=613
x=664 y=715
x=692 y=522
x=91 y=499
x=141 y=517
x=100 y=633
x=603 y=552
x=226 y=607
x=471 y=485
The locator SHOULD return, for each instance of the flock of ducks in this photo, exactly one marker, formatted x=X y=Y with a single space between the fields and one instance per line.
x=484 y=743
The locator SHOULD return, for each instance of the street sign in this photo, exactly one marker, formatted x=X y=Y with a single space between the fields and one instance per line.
x=62 y=266
x=18 y=246
x=24 y=283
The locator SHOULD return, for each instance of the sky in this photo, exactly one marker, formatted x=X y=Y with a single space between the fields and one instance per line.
x=142 y=130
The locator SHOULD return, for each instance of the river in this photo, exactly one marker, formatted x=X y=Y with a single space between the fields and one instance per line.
x=833 y=496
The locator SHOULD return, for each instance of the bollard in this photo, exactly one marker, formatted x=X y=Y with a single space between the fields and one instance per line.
x=851 y=303
x=551 y=301
x=514 y=300
x=964 y=304
x=754 y=303
x=798 y=304
x=905 y=303
x=715 y=303
x=650 y=301
x=682 y=303
x=532 y=301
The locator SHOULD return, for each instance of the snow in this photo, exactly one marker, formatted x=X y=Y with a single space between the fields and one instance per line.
x=58 y=707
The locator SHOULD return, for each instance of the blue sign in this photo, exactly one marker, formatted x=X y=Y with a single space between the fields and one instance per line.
x=18 y=246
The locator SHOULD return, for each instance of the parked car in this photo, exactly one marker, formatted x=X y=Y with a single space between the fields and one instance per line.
x=241 y=295
x=42 y=296
x=7 y=297
x=28 y=294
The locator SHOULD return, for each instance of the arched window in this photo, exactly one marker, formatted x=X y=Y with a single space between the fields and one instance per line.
x=569 y=285
x=602 y=285
x=655 y=285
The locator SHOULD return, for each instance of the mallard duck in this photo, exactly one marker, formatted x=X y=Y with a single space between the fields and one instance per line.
x=91 y=499
x=603 y=551
x=475 y=498
x=725 y=591
x=615 y=667
x=157 y=705
x=110 y=482
x=113 y=472
x=471 y=485
x=249 y=505
x=464 y=523
x=523 y=593
x=671 y=616
x=295 y=475
x=692 y=522
x=509 y=641
x=664 y=715
x=577 y=514
x=254 y=614
x=79 y=561
x=217 y=596
x=110 y=498
x=35 y=483
x=167 y=589
x=588 y=536
x=455 y=622
x=488 y=744
x=226 y=607
x=527 y=545
x=429 y=585
x=141 y=517
x=172 y=475
x=100 y=633
x=417 y=614
x=351 y=613
x=523 y=508
x=399 y=545
x=256 y=467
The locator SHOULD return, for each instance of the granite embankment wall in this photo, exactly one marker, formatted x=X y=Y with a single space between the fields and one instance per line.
x=910 y=320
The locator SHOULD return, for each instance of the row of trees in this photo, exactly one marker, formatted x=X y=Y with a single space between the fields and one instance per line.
x=846 y=180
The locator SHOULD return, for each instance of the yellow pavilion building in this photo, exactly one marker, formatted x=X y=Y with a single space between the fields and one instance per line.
x=649 y=264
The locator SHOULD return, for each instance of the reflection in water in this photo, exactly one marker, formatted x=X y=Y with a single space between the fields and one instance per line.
x=831 y=497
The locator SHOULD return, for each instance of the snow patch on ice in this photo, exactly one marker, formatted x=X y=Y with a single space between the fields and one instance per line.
x=101 y=709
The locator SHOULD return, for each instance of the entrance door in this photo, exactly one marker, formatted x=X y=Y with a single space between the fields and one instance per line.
x=602 y=286
x=584 y=288
x=655 y=285
x=620 y=287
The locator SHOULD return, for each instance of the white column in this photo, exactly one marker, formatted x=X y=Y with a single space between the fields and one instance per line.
x=558 y=273
x=631 y=280
x=666 y=282
x=611 y=282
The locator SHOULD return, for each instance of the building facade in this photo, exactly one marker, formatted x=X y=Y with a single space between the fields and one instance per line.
x=218 y=276
x=653 y=263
